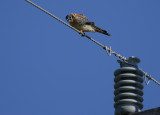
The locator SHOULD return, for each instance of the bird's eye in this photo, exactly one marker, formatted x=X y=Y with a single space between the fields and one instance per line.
x=71 y=17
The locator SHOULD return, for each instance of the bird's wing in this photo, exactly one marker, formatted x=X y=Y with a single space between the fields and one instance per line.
x=80 y=18
x=90 y=23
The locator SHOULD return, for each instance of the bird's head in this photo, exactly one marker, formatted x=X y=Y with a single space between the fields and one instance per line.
x=69 y=17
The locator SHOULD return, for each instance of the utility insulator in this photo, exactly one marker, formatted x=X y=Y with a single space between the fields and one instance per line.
x=128 y=87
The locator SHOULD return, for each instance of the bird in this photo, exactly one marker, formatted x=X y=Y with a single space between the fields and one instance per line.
x=81 y=23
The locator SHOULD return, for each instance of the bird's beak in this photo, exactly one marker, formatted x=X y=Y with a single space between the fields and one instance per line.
x=67 y=17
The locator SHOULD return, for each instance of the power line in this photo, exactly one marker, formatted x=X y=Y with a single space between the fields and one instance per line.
x=107 y=49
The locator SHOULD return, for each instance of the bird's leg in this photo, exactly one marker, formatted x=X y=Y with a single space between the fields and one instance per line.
x=82 y=33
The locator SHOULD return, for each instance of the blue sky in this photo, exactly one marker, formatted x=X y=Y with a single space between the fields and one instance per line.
x=48 y=69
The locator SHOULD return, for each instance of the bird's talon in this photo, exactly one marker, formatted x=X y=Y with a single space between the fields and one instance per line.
x=82 y=33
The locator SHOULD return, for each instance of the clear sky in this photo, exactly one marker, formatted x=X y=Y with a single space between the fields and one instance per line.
x=48 y=69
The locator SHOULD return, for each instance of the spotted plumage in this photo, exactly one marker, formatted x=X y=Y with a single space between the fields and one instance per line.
x=80 y=22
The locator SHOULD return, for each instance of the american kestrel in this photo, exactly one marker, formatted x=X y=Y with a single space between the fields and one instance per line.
x=80 y=22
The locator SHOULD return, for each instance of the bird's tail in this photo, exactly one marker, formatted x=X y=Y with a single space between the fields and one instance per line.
x=97 y=29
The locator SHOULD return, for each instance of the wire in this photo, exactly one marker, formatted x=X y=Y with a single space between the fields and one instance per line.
x=108 y=50
x=52 y=15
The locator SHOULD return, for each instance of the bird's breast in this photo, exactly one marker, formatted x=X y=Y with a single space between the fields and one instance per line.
x=88 y=28
x=83 y=27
